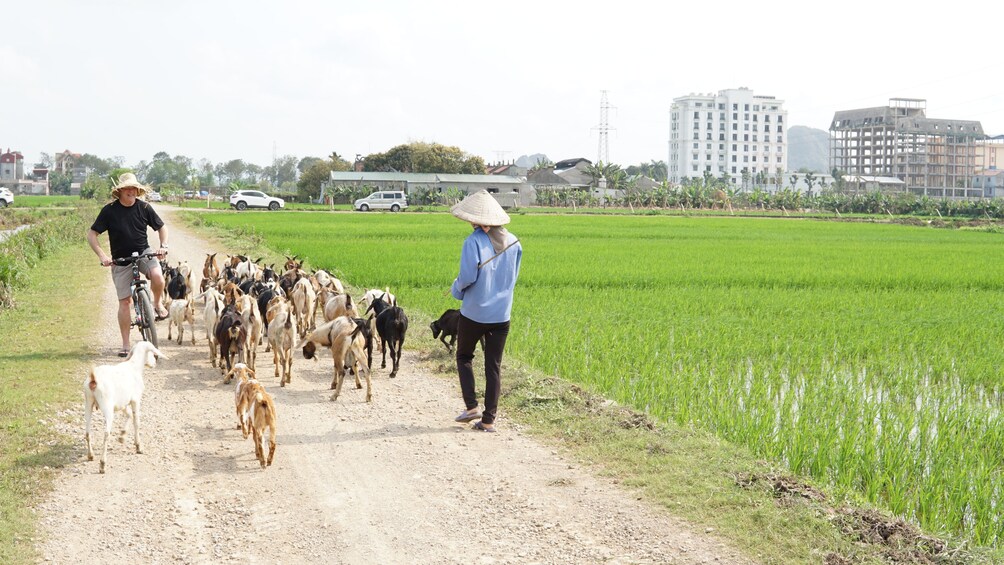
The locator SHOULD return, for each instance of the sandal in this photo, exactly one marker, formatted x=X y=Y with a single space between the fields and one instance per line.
x=159 y=317
x=123 y=353
x=482 y=427
x=468 y=415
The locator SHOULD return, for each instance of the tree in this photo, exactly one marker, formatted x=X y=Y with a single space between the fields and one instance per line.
x=231 y=171
x=306 y=163
x=44 y=160
x=655 y=170
x=59 y=183
x=165 y=169
x=309 y=185
x=420 y=157
x=282 y=170
x=541 y=164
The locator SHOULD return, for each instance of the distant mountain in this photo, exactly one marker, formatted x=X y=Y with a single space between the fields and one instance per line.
x=808 y=148
x=528 y=161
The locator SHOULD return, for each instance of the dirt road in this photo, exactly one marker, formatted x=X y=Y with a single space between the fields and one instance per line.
x=393 y=481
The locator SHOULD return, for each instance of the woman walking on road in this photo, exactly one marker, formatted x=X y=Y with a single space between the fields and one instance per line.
x=489 y=266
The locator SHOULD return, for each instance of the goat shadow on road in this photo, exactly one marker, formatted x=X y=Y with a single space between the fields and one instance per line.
x=388 y=430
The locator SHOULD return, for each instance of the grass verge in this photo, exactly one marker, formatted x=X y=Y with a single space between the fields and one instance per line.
x=45 y=345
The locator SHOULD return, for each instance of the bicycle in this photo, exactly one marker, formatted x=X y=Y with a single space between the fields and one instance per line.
x=142 y=299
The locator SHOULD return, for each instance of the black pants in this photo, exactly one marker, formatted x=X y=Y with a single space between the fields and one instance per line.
x=468 y=334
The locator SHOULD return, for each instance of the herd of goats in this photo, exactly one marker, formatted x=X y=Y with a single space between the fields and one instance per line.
x=247 y=305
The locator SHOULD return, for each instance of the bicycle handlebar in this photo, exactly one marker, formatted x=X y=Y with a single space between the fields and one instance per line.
x=123 y=261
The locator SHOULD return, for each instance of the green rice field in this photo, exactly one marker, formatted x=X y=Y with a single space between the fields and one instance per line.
x=864 y=355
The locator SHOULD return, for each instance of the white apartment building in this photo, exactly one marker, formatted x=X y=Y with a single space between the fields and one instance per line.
x=727 y=134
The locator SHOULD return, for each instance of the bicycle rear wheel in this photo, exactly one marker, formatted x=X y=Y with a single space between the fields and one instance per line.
x=146 y=317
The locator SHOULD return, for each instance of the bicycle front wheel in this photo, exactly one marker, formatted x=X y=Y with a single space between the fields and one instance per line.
x=146 y=317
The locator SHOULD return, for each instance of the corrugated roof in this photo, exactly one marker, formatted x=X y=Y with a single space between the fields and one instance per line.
x=358 y=176
x=493 y=179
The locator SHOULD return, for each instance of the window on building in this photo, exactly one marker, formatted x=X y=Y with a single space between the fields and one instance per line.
x=721 y=116
x=695 y=146
x=746 y=127
x=746 y=137
x=780 y=139
x=746 y=158
x=780 y=119
x=735 y=137
x=780 y=129
x=756 y=107
x=754 y=137
x=721 y=106
x=694 y=167
x=754 y=160
x=766 y=118
x=733 y=170
x=697 y=135
x=721 y=126
x=754 y=127
x=708 y=157
x=735 y=126
x=746 y=117
x=735 y=116
x=709 y=135
x=721 y=137
x=710 y=116
x=697 y=114
x=733 y=158
x=735 y=147
x=735 y=106
x=754 y=117
x=778 y=158
x=746 y=107
x=721 y=147
x=697 y=126
x=707 y=168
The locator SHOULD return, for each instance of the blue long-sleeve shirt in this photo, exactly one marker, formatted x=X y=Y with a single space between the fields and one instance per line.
x=487 y=292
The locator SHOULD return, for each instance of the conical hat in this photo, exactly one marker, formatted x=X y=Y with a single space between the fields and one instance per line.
x=128 y=180
x=482 y=209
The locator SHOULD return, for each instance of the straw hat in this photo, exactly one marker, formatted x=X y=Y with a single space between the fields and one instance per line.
x=482 y=209
x=128 y=180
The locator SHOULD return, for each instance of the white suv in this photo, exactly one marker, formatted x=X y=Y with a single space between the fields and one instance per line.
x=392 y=200
x=6 y=197
x=243 y=199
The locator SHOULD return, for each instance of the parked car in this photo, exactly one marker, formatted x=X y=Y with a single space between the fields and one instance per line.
x=189 y=194
x=6 y=197
x=154 y=197
x=243 y=199
x=393 y=200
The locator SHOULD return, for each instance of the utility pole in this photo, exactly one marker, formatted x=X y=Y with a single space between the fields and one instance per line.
x=603 y=153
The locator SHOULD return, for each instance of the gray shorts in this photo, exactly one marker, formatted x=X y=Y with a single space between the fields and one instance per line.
x=122 y=276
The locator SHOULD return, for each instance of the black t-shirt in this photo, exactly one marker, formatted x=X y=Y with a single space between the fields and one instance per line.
x=126 y=226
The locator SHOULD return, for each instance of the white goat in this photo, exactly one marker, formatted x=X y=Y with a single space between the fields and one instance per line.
x=118 y=387
x=374 y=293
x=182 y=310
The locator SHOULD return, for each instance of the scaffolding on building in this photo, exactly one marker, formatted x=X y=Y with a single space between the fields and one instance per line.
x=933 y=157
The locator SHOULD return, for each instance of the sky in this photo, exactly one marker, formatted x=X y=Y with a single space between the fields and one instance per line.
x=251 y=80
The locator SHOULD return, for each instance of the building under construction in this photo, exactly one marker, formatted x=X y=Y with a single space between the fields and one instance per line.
x=933 y=157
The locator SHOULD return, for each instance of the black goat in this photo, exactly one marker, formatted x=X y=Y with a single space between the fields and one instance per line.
x=391 y=324
x=446 y=326
x=177 y=286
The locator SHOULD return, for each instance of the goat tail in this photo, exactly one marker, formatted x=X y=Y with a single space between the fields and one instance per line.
x=93 y=384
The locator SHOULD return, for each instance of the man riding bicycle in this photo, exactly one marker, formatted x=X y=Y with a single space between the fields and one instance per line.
x=126 y=219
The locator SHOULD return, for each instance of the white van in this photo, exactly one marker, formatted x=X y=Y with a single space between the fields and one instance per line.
x=393 y=200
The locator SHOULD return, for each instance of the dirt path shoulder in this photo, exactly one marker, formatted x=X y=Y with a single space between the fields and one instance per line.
x=392 y=481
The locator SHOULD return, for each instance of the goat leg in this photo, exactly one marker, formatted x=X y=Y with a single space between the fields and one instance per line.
x=135 y=428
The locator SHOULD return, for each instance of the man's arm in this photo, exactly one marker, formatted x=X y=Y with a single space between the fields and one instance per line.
x=162 y=233
x=92 y=240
